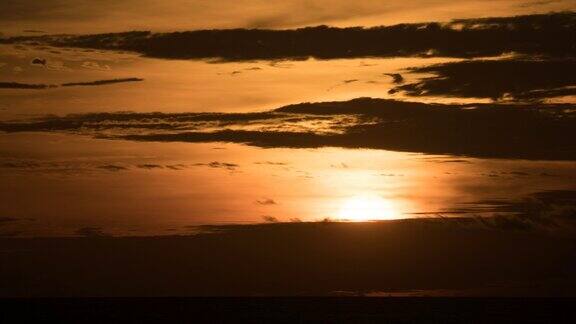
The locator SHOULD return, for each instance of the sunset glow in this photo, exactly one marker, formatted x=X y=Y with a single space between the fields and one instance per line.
x=298 y=148
x=367 y=207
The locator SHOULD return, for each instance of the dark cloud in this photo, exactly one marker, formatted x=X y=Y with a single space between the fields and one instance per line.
x=397 y=78
x=17 y=85
x=272 y=163
x=39 y=61
x=79 y=166
x=546 y=209
x=219 y=165
x=176 y=166
x=150 y=166
x=266 y=202
x=519 y=79
x=270 y=219
x=101 y=82
x=540 y=131
x=113 y=167
x=544 y=34
x=225 y=165
x=453 y=161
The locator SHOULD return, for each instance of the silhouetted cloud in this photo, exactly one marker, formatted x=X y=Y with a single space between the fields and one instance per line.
x=176 y=166
x=219 y=165
x=266 y=201
x=39 y=61
x=272 y=163
x=113 y=167
x=101 y=82
x=519 y=79
x=69 y=166
x=454 y=161
x=150 y=166
x=17 y=85
x=397 y=78
x=543 y=34
x=546 y=209
x=541 y=131
x=270 y=219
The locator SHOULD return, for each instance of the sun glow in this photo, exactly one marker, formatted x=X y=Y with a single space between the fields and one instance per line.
x=367 y=207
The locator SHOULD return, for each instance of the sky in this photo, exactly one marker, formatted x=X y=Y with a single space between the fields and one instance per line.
x=403 y=161
x=84 y=16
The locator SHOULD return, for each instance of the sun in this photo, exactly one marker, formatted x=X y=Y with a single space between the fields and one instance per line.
x=367 y=207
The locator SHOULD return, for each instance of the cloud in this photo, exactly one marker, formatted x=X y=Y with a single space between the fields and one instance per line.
x=517 y=79
x=101 y=82
x=270 y=219
x=541 y=210
x=17 y=85
x=219 y=165
x=39 y=61
x=359 y=123
x=150 y=166
x=544 y=34
x=266 y=202
x=176 y=166
x=454 y=161
x=272 y=163
x=397 y=78
x=113 y=167
x=63 y=166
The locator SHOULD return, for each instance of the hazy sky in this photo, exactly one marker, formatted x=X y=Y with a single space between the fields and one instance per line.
x=89 y=16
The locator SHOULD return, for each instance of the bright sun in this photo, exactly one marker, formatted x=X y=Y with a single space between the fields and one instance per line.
x=367 y=207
